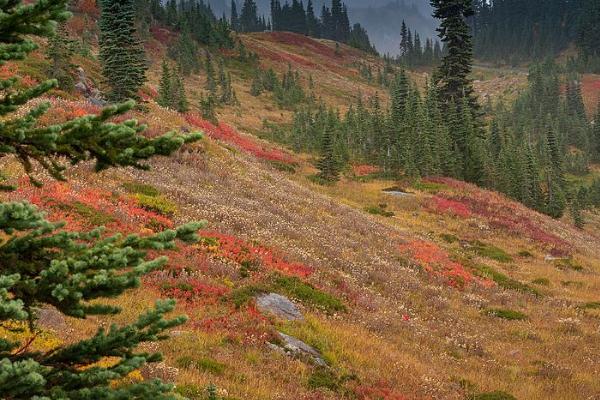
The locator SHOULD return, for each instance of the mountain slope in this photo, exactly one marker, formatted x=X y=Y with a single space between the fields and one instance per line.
x=435 y=290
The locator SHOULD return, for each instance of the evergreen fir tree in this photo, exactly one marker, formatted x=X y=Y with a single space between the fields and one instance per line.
x=185 y=51
x=404 y=47
x=312 y=23
x=453 y=73
x=59 y=53
x=328 y=163
x=180 y=102
x=576 y=214
x=45 y=265
x=122 y=55
x=249 y=21
x=596 y=134
x=555 y=197
x=207 y=108
x=235 y=21
x=211 y=83
x=165 y=88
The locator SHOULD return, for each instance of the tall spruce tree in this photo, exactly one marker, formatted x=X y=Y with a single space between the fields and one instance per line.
x=328 y=164
x=235 y=20
x=59 y=52
x=453 y=72
x=312 y=23
x=596 y=134
x=42 y=264
x=165 y=87
x=249 y=21
x=122 y=54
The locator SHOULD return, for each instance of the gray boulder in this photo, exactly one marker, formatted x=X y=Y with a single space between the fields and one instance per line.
x=298 y=349
x=278 y=305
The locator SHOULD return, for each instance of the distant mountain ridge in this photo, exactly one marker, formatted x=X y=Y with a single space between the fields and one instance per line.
x=381 y=18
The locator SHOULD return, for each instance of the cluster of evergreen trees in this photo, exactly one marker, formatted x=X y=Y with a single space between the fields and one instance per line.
x=248 y=20
x=513 y=31
x=171 y=93
x=333 y=24
x=287 y=91
x=524 y=153
x=192 y=16
x=412 y=51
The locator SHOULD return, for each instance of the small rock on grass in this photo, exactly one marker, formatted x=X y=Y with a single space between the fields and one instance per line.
x=298 y=349
x=278 y=305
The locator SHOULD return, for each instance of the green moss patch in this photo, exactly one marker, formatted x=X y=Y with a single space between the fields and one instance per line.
x=379 y=210
x=491 y=252
x=203 y=364
x=306 y=293
x=141 y=188
x=292 y=287
x=90 y=214
x=502 y=280
x=496 y=395
x=504 y=313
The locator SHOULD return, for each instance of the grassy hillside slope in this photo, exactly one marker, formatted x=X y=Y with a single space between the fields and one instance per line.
x=444 y=291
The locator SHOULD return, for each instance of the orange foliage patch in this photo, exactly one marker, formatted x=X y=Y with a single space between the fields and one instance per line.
x=437 y=262
x=245 y=253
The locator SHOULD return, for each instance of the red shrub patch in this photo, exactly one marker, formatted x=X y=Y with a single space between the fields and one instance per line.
x=244 y=253
x=447 y=206
x=364 y=169
x=68 y=204
x=192 y=289
x=227 y=134
x=499 y=212
x=378 y=393
x=436 y=261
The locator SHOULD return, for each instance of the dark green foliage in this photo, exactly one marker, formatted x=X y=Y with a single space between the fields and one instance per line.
x=185 y=52
x=292 y=287
x=568 y=264
x=249 y=20
x=489 y=251
x=307 y=294
x=334 y=23
x=171 y=92
x=328 y=164
x=510 y=315
x=325 y=378
x=514 y=31
x=576 y=214
x=596 y=135
x=496 y=395
x=203 y=364
x=45 y=265
x=452 y=76
x=196 y=18
x=541 y=281
x=122 y=54
x=379 y=210
x=141 y=188
x=595 y=305
x=93 y=216
x=234 y=18
x=502 y=280
x=413 y=53
x=208 y=106
x=59 y=52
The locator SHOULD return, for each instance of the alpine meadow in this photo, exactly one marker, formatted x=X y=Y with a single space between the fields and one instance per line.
x=300 y=199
